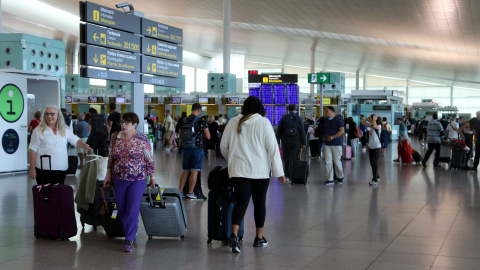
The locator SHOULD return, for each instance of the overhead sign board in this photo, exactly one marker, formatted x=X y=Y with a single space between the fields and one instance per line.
x=161 y=31
x=163 y=81
x=106 y=74
x=157 y=66
x=100 y=57
x=93 y=13
x=318 y=78
x=272 y=78
x=161 y=49
x=382 y=107
x=109 y=38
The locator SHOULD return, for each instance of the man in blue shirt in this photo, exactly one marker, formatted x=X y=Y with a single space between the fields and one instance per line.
x=82 y=131
x=334 y=130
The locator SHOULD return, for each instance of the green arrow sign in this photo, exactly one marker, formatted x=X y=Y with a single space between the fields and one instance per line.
x=319 y=78
x=11 y=103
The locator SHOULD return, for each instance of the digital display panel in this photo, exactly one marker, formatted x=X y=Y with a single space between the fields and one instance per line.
x=155 y=100
x=280 y=111
x=68 y=99
x=267 y=95
x=111 y=100
x=176 y=100
x=279 y=93
x=120 y=100
x=255 y=92
x=211 y=100
x=269 y=109
x=99 y=99
x=292 y=94
x=234 y=100
x=148 y=100
x=203 y=100
x=92 y=99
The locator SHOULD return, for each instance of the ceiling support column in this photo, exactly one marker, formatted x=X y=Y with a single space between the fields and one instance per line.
x=226 y=36
x=312 y=63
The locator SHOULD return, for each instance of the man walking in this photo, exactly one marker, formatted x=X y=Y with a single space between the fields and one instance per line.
x=434 y=131
x=291 y=135
x=113 y=120
x=334 y=130
x=192 y=135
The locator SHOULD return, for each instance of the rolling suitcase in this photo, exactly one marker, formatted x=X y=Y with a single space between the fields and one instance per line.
x=347 y=152
x=72 y=164
x=445 y=153
x=220 y=211
x=300 y=170
x=54 y=211
x=405 y=152
x=197 y=190
x=163 y=215
x=459 y=160
x=92 y=215
x=108 y=214
x=417 y=157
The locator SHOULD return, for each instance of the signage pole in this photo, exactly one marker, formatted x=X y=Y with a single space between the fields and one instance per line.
x=321 y=98
x=226 y=36
x=138 y=103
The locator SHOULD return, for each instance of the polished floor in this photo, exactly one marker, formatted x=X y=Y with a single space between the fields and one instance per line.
x=415 y=219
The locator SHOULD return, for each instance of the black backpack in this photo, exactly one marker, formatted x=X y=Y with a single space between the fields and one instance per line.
x=97 y=122
x=290 y=126
x=189 y=135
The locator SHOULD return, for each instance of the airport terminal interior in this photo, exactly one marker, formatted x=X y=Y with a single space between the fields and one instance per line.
x=411 y=58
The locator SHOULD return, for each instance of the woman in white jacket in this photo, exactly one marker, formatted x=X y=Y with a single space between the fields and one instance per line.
x=251 y=149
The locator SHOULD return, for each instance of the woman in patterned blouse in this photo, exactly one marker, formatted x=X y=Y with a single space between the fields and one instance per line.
x=131 y=158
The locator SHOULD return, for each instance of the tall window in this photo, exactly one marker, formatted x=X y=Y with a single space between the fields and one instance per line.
x=202 y=80
x=189 y=73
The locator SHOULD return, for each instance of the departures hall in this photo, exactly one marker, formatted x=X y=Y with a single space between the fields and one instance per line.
x=239 y=134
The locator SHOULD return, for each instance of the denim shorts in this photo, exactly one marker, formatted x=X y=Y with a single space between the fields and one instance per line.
x=192 y=159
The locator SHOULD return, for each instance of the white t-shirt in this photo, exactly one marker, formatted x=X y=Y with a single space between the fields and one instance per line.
x=451 y=129
x=53 y=145
x=169 y=119
x=374 y=138
x=311 y=133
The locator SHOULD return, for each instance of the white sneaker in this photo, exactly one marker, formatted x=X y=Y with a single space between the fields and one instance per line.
x=288 y=181
x=373 y=183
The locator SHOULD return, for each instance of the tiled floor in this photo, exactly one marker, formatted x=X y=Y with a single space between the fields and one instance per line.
x=415 y=219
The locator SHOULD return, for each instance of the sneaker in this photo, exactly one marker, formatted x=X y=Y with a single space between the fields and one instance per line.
x=288 y=181
x=191 y=196
x=373 y=183
x=234 y=244
x=127 y=246
x=422 y=144
x=423 y=164
x=329 y=183
x=340 y=182
x=260 y=242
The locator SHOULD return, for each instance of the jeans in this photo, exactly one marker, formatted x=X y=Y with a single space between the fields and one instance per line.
x=354 y=145
x=192 y=159
x=431 y=147
x=333 y=159
x=374 y=155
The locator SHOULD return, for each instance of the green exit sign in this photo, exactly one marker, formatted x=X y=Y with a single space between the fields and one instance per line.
x=319 y=78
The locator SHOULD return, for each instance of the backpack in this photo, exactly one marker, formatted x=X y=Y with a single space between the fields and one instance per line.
x=97 y=122
x=189 y=135
x=358 y=132
x=290 y=126
x=115 y=117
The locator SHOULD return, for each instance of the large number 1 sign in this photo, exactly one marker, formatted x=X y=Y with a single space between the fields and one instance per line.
x=11 y=103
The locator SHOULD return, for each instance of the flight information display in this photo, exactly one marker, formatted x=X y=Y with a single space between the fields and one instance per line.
x=267 y=95
x=269 y=109
x=254 y=92
x=279 y=93
x=280 y=110
x=292 y=94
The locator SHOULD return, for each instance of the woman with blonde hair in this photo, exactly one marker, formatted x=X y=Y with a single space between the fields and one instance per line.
x=50 y=138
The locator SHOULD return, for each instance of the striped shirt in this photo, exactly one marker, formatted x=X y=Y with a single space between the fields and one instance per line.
x=433 y=131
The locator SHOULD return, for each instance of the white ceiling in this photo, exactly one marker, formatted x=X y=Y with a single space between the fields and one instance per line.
x=425 y=40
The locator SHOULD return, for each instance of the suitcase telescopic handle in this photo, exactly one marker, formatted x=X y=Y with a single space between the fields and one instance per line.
x=162 y=202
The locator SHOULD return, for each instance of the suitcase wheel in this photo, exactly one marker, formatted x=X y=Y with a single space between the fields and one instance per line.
x=83 y=224
x=240 y=239
x=224 y=242
x=209 y=241
x=182 y=237
x=94 y=228
x=150 y=237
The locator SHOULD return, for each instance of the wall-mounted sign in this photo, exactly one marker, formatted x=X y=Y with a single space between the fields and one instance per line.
x=382 y=107
x=163 y=81
x=109 y=38
x=105 y=74
x=163 y=67
x=10 y=141
x=93 y=13
x=273 y=78
x=319 y=78
x=11 y=103
x=161 y=49
x=161 y=31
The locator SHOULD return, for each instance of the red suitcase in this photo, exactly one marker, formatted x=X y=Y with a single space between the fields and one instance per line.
x=405 y=152
x=54 y=212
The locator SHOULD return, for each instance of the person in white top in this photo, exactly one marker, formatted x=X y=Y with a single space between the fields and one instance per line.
x=50 y=138
x=312 y=141
x=374 y=127
x=169 y=130
x=452 y=129
x=250 y=147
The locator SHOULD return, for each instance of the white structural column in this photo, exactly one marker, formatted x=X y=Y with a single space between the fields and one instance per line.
x=406 y=91
x=226 y=36
x=312 y=63
x=137 y=103
x=364 y=82
x=1 y=24
x=451 y=95
x=357 y=80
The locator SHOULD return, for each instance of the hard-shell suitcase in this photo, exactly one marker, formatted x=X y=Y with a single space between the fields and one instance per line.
x=92 y=215
x=220 y=212
x=163 y=215
x=53 y=209
x=445 y=153
x=299 y=171
x=417 y=157
x=197 y=190
x=109 y=219
x=405 y=152
x=347 y=152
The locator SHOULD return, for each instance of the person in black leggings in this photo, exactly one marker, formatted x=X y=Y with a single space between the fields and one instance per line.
x=251 y=149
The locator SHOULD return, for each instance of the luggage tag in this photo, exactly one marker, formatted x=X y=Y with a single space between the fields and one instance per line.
x=158 y=198
x=115 y=212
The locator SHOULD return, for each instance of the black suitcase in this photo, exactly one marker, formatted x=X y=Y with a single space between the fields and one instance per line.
x=197 y=190
x=417 y=157
x=109 y=219
x=220 y=210
x=72 y=164
x=299 y=170
x=459 y=160
x=53 y=210
x=92 y=215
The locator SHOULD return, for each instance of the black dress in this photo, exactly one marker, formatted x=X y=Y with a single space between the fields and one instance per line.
x=213 y=129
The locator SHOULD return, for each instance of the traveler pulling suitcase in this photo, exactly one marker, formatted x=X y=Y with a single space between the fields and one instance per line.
x=163 y=215
x=220 y=211
x=108 y=214
x=53 y=208
x=299 y=170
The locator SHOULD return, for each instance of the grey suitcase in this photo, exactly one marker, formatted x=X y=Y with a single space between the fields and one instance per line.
x=164 y=217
